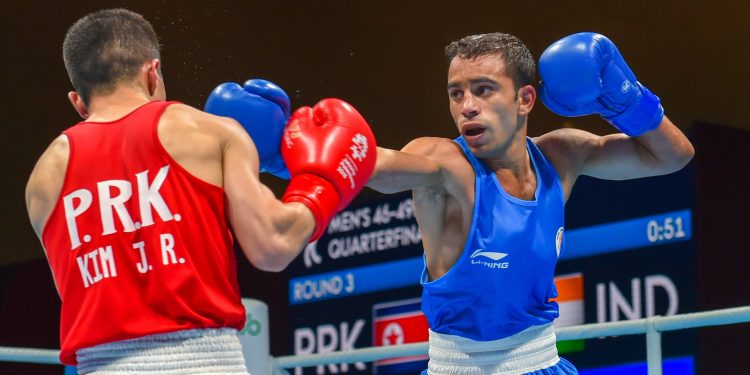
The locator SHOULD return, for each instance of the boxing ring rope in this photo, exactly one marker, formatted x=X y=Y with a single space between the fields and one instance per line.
x=30 y=355
x=652 y=327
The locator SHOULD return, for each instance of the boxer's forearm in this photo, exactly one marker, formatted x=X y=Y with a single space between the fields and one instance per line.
x=398 y=171
x=668 y=148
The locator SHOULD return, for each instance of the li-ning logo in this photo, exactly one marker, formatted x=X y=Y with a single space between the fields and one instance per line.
x=494 y=259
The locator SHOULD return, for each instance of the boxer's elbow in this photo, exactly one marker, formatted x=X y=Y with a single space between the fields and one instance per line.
x=285 y=250
x=271 y=234
x=272 y=255
x=679 y=158
x=670 y=147
x=272 y=264
x=687 y=154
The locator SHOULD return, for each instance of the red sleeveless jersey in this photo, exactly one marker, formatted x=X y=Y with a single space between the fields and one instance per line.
x=137 y=245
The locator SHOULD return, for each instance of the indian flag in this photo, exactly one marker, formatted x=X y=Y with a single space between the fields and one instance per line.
x=570 y=299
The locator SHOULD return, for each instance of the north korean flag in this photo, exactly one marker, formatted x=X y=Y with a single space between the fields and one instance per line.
x=396 y=323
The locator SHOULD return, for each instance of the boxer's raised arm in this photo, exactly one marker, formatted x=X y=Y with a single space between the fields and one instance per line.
x=270 y=233
x=407 y=169
x=584 y=74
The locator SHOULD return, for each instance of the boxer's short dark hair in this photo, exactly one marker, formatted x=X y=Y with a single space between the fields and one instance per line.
x=519 y=63
x=105 y=48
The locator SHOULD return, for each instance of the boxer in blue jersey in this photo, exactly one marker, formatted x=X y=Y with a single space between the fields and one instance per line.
x=490 y=203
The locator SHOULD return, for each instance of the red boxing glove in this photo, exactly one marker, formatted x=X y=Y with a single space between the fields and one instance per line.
x=330 y=152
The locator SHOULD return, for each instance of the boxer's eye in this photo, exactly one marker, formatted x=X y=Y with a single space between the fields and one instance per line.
x=455 y=94
x=483 y=90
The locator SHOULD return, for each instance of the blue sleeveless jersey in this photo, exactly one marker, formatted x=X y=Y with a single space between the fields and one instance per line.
x=503 y=281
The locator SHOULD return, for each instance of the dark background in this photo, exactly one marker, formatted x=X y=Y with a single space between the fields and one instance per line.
x=386 y=59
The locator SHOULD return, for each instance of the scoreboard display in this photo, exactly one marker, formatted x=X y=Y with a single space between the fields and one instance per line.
x=628 y=254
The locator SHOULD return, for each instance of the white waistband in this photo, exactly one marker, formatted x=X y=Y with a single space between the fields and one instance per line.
x=529 y=350
x=195 y=351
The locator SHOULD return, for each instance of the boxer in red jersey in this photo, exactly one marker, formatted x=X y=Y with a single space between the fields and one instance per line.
x=134 y=204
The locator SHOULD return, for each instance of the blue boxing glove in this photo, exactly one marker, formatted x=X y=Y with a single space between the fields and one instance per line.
x=262 y=108
x=584 y=73
x=270 y=91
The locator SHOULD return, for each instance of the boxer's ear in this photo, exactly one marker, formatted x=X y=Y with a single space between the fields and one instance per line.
x=155 y=81
x=526 y=99
x=77 y=102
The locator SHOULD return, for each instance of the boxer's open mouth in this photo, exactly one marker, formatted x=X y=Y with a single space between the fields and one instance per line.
x=471 y=130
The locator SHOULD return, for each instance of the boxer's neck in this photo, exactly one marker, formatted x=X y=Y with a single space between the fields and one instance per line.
x=512 y=158
x=113 y=106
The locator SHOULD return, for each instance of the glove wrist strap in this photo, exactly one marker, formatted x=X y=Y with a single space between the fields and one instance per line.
x=319 y=195
x=642 y=116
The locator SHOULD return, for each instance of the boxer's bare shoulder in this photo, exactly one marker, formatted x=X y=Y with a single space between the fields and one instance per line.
x=46 y=180
x=180 y=120
x=197 y=140
x=455 y=171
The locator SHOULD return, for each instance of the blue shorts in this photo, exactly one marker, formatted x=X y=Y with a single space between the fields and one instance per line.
x=561 y=368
